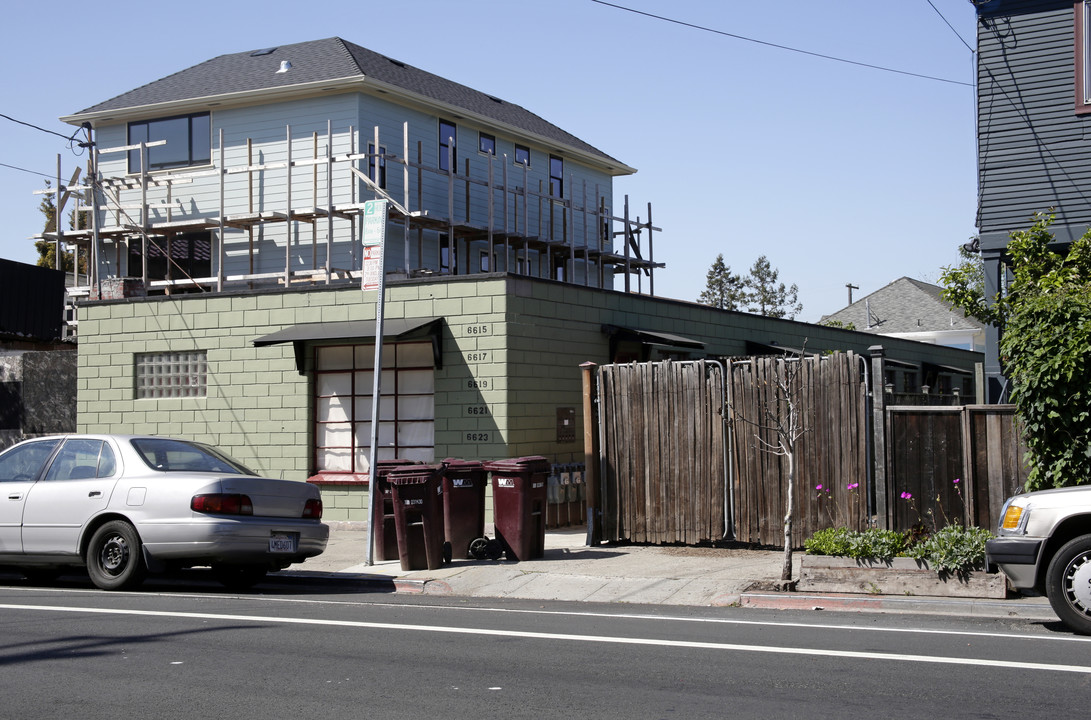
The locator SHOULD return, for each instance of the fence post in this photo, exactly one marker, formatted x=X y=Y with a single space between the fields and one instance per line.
x=591 y=454
x=878 y=436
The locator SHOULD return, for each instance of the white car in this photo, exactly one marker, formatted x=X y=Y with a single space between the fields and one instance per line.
x=1043 y=543
x=126 y=505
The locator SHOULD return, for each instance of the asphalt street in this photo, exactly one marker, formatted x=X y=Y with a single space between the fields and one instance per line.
x=178 y=649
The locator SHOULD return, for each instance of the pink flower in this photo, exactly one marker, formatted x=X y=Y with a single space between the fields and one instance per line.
x=817 y=487
x=956 y=481
x=907 y=496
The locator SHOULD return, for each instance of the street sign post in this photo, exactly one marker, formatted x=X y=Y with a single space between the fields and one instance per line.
x=374 y=238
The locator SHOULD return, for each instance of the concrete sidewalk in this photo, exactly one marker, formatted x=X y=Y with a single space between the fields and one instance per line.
x=689 y=576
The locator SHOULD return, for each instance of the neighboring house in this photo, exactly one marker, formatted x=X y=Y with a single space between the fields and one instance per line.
x=37 y=365
x=228 y=302
x=913 y=310
x=1034 y=116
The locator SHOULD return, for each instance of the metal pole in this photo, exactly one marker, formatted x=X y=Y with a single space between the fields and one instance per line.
x=376 y=389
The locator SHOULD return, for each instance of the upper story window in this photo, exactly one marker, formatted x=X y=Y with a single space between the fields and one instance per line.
x=189 y=142
x=448 y=154
x=522 y=155
x=1083 y=58
x=381 y=160
x=486 y=143
x=556 y=176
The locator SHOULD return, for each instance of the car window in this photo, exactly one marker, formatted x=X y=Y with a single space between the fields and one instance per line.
x=82 y=459
x=168 y=455
x=24 y=462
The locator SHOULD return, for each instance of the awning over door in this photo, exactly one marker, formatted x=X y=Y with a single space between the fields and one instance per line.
x=652 y=337
x=400 y=330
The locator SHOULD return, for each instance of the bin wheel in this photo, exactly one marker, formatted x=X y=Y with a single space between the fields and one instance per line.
x=447 y=552
x=478 y=548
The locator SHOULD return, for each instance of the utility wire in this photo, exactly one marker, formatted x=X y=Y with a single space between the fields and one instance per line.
x=14 y=167
x=950 y=26
x=783 y=47
x=51 y=132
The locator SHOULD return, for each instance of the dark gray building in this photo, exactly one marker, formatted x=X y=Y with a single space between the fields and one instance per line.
x=1034 y=115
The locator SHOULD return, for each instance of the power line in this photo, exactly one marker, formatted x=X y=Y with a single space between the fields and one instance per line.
x=783 y=47
x=51 y=132
x=13 y=167
x=950 y=26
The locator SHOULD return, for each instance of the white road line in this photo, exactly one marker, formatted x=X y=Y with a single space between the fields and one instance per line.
x=980 y=662
x=1055 y=637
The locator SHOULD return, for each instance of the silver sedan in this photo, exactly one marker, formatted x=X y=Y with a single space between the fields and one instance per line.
x=124 y=506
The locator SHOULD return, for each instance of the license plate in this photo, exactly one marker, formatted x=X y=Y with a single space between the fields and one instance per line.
x=280 y=543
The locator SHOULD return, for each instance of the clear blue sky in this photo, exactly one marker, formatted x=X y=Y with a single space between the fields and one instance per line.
x=839 y=173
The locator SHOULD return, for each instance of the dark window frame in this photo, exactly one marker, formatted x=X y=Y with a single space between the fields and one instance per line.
x=381 y=182
x=522 y=150
x=198 y=152
x=556 y=180
x=486 y=143
x=450 y=142
x=1082 y=35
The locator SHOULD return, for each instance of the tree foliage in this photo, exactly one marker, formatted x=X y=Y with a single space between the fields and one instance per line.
x=723 y=288
x=47 y=249
x=964 y=285
x=757 y=292
x=1045 y=349
x=767 y=296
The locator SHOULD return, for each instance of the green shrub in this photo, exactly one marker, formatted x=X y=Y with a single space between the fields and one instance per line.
x=829 y=541
x=953 y=549
x=950 y=550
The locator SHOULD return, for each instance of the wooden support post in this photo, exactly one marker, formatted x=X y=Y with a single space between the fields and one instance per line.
x=288 y=223
x=591 y=454
x=881 y=511
x=220 y=253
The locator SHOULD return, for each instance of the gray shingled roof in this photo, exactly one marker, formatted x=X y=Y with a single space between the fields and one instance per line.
x=904 y=306
x=326 y=60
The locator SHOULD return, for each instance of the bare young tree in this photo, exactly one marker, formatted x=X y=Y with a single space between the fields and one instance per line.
x=778 y=432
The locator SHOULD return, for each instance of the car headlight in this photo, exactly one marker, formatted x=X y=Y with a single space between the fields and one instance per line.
x=1014 y=520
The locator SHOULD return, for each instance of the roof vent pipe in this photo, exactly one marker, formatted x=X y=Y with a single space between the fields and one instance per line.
x=285 y=66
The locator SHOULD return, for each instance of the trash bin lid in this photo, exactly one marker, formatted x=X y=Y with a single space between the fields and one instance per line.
x=415 y=473
x=530 y=463
x=458 y=464
x=382 y=467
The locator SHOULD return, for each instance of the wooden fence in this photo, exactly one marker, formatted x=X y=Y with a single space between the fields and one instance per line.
x=954 y=464
x=663 y=477
x=685 y=453
x=831 y=467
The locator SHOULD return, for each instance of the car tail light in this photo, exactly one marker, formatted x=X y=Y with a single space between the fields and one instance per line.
x=222 y=504
x=313 y=509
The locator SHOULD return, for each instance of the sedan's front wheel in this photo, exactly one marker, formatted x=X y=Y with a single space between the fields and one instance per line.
x=114 y=557
x=1068 y=584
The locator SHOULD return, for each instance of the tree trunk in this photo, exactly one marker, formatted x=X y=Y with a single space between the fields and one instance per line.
x=786 y=570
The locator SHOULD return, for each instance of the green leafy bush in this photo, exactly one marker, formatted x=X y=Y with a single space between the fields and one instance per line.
x=953 y=549
x=872 y=543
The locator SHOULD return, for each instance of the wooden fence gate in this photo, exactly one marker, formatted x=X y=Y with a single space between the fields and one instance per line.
x=684 y=453
x=663 y=471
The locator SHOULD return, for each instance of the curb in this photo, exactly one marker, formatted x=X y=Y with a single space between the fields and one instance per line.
x=1027 y=608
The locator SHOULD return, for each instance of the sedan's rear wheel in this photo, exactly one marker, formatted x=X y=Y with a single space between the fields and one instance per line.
x=239 y=577
x=114 y=557
x=1068 y=584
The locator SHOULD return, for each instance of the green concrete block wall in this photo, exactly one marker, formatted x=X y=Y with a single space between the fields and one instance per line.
x=512 y=350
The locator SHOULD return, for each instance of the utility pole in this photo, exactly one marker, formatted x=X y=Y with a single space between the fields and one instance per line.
x=851 y=287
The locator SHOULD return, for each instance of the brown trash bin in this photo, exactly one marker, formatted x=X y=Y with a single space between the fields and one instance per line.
x=464 y=483
x=416 y=492
x=519 y=505
x=382 y=512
